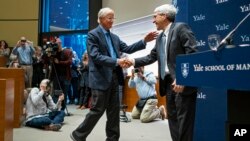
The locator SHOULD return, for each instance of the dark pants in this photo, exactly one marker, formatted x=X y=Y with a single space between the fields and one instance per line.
x=75 y=95
x=181 y=115
x=85 y=94
x=102 y=100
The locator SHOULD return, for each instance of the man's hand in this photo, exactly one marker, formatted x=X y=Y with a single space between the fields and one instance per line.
x=124 y=62
x=61 y=97
x=18 y=44
x=177 y=88
x=151 y=36
x=43 y=88
x=56 y=61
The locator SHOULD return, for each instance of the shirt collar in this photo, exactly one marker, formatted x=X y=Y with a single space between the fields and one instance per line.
x=167 y=29
x=103 y=30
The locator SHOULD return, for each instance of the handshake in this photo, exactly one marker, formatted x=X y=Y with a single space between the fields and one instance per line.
x=125 y=62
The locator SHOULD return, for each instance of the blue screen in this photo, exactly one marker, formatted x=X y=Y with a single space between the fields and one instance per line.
x=77 y=42
x=65 y=15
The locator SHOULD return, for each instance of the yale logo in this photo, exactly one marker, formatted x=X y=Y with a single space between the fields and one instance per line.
x=240 y=132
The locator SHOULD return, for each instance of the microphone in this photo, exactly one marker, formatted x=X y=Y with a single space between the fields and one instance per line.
x=228 y=39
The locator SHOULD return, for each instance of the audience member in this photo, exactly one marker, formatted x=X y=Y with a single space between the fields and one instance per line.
x=105 y=73
x=146 y=108
x=41 y=111
x=24 y=51
x=74 y=80
x=85 y=91
x=38 y=66
x=5 y=50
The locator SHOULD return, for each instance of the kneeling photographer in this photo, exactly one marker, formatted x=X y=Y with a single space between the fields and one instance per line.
x=146 y=108
x=41 y=110
x=60 y=75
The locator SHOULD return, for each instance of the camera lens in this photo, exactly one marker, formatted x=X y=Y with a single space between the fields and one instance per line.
x=136 y=70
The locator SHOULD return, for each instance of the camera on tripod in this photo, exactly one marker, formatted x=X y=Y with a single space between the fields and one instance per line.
x=51 y=48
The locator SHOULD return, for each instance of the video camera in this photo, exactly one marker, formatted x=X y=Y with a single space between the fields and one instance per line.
x=51 y=48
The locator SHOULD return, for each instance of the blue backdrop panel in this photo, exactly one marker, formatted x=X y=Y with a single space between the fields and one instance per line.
x=210 y=115
x=213 y=17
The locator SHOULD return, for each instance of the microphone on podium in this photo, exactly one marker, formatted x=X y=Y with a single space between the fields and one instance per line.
x=228 y=39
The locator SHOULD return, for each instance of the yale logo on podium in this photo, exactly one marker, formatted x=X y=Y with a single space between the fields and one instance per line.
x=240 y=132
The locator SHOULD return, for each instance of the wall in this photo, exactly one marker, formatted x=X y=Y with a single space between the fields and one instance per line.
x=132 y=9
x=19 y=18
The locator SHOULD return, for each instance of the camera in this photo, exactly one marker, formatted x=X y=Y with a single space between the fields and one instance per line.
x=58 y=92
x=136 y=70
x=51 y=48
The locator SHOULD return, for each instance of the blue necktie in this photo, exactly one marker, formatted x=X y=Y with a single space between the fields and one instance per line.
x=163 y=56
x=110 y=45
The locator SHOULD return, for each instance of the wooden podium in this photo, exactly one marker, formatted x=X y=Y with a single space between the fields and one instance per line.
x=3 y=61
x=6 y=109
x=18 y=75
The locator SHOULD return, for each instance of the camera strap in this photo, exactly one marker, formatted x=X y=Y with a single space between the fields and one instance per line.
x=45 y=100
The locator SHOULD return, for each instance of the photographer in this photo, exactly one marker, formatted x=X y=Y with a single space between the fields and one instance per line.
x=146 y=108
x=41 y=111
x=61 y=70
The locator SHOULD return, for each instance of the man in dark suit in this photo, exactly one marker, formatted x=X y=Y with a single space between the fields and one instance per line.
x=176 y=38
x=105 y=74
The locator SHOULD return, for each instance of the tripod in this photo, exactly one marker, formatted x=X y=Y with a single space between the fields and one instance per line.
x=58 y=92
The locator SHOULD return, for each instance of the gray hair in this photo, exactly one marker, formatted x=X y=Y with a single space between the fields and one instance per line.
x=44 y=82
x=167 y=9
x=103 y=12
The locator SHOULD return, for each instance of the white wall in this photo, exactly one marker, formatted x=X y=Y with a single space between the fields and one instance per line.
x=132 y=9
x=134 y=30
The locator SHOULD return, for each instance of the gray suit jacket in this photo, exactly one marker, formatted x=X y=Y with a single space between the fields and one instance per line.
x=181 y=40
x=101 y=65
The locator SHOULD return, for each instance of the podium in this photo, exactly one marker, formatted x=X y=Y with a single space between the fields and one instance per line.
x=6 y=109
x=17 y=74
x=224 y=90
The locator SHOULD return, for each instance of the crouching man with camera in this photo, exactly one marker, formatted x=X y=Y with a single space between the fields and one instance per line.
x=41 y=111
x=146 y=108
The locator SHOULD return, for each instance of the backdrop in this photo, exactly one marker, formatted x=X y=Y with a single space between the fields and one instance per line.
x=213 y=17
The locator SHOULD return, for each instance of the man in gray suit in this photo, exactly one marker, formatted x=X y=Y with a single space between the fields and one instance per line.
x=176 y=38
x=105 y=75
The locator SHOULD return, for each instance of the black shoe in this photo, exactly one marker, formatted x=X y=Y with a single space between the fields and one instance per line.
x=72 y=137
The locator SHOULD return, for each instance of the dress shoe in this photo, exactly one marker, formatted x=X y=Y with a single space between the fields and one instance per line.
x=53 y=127
x=73 y=138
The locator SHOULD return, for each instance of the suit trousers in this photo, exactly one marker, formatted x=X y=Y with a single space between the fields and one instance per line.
x=181 y=114
x=102 y=100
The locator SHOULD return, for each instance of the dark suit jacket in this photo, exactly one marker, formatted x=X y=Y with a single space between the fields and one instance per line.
x=101 y=65
x=181 y=40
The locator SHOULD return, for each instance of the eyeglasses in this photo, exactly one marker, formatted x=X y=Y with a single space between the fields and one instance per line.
x=110 y=18
x=23 y=40
x=160 y=14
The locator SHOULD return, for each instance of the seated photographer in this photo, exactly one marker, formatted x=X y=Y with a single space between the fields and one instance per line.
x=146 y=108
x=41 y=111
